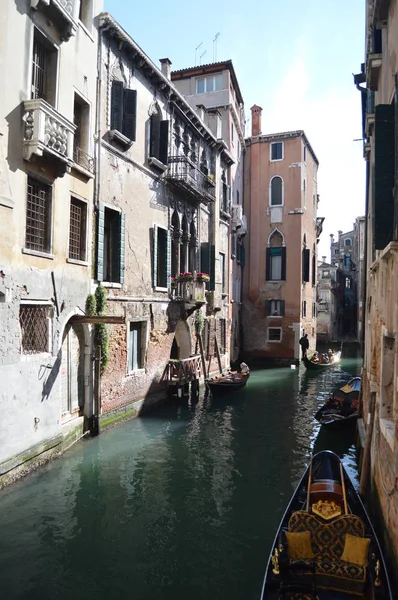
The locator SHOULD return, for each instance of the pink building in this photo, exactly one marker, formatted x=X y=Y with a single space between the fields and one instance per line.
x=281 y=201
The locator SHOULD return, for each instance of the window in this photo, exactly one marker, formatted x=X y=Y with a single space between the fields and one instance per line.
x=306 y=264
x=314 y=310
x=159 y=138
x=274 y=334
x=304 y=308
x=38 y=216
x=44 y=69
x=305 y=153
x=313 y=267
x=226 y=198
x=325 y=273
x=347 y=242
x=135 y=347
x=123 y=110
x=81 y=119
x=207 y=263
x=347 y=283
x=110 y=265
x=223 y=335
x=86 y=13
x=304 y=193
x=232 y=132
x=237 y=197
x=34 y=321
x=77 y=230
x=161 y=257
x=276 y=151
x=275 y=259
x=275 y=308
x=276 y=191
x=336 y=251
x=212 y=83
x=222 y=273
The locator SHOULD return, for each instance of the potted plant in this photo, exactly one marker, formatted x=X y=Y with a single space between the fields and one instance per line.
x=202 y=277
x=185 y=276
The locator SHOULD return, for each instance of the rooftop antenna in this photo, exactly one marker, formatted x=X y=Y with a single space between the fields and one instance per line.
x=215 y=47
x=196 y=51
x=200 y=58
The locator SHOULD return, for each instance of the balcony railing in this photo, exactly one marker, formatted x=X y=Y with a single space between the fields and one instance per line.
x=186 y=176
x=46 y=131
x=189 y=291
x=63 y=12
x=82 y=159
x=182 y=371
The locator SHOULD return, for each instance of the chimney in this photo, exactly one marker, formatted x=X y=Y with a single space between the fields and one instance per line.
x=201 y=111
x=256 y=119
x=166 y=64
x=323 y=259
x=214 y=122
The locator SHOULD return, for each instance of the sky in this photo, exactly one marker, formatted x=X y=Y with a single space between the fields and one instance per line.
x=294 y=59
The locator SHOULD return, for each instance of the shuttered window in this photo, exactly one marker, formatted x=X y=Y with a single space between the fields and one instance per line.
x=124 y=110
x=110 y=245
x=207 y=263
x=161 y=257
x=384 y=167
x=159 y=139
x=275 y=308
x=306 y=264
x=276 y=264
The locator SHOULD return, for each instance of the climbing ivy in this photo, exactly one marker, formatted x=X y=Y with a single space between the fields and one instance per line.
x=96 y=305
x=199 y=321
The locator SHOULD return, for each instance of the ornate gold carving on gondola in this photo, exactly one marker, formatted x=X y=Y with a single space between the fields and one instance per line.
x=327 y=509
x=377 y=571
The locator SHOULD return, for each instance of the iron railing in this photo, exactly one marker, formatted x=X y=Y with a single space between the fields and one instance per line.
x=82 y=159
x=183 y=173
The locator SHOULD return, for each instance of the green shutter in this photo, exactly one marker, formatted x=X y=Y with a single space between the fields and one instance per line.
x=283 y=275
x=155 y=255
x=155 y=136
x=117 y=106
x=164 y=142
x=212 y=270
x=384 y=175
x=122 y=246
x=100 y=242
x=130 y=114
x=268 y=264
x=168 y=258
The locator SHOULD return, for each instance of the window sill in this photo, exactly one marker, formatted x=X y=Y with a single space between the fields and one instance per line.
x=387 y=429
x=83 y=171
x=275 y=159
x=86 y=31
x=6 y=202
x=111 y=284
x=275 y=316
x=73 y=261
x=274 y=341
x=161 y=289
x=43 y=356
x=136 y=373
x=37 y=253
x=154 y=162
x=114 y=134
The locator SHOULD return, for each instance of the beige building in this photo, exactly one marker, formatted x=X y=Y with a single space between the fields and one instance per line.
x=164 y=176
x=380 y=372
x=47 y=126
x=214 y=87
x=327 y=302
x=281 y=200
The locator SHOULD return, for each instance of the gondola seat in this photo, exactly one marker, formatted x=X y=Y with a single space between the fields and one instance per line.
x=328 y=548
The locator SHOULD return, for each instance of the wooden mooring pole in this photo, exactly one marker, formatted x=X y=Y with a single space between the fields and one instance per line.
x=97 y=391
x=365 y=467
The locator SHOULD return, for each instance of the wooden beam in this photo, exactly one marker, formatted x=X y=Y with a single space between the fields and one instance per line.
x=110 y=319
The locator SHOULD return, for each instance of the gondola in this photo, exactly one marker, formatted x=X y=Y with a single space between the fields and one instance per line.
x=225 y=384
x=342 y=407
x=312 y=366
x=326 y=546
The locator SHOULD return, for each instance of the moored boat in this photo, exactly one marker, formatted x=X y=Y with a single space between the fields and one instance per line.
x=230 y=382
x=343 y=405
x=326 y=546
x=311 y=365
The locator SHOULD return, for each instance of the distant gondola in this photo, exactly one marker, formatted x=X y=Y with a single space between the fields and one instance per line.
x=343 y=405
x=315 y=366
x=230 y=382
x=326 y=546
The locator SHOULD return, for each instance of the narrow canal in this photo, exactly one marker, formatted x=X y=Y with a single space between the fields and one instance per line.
x=180 y=504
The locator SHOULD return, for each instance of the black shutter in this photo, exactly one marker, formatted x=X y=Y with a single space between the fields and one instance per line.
x=117 y=106
x=283 y=276
x=306 y=264
x=155 y=136
x=268 y=307
x=130 y=114
x=313 y=270
x=212 y=271
x=384 y=175
x=282 y=308
x=164 y=142
x=205 y=259
x=268 y=264
x=242 y=255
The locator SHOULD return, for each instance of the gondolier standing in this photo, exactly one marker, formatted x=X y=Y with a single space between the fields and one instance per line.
x=304 y=343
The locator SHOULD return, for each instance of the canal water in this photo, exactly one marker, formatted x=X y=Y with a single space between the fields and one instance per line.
x=180 y=504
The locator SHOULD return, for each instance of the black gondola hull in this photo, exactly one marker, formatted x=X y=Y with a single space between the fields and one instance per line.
x=311 y=366
x=224 y=386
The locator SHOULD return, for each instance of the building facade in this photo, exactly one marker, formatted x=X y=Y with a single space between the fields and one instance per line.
x=164 y=170
x=378 y=83
x=47 y=166
x=327 y=302
x=281 y=199
x=214 y=88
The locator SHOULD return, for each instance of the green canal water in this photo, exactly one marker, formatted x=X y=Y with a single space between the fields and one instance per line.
x=181 y=504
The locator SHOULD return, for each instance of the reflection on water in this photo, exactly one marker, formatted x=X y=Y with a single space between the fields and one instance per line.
x=182 y=503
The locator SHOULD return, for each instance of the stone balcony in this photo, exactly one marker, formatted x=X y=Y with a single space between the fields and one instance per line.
x=47 y=133
x=183 y=174
x=189 y=292
x=62 y=12
x=373 y=71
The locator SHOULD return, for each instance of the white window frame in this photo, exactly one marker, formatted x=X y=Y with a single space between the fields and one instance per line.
x=207 y=78
x=274 y=341
x=278 y=302
x=270 y=192
x=144 y=345
x=270 y=152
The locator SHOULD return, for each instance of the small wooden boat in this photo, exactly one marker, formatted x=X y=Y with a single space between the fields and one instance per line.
x=326 y=546
x=343 y=405
x=318 y=366
x=224 y=384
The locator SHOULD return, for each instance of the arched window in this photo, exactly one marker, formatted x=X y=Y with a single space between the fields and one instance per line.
x=276 y=191
x=347 y=242
x=276 y=258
